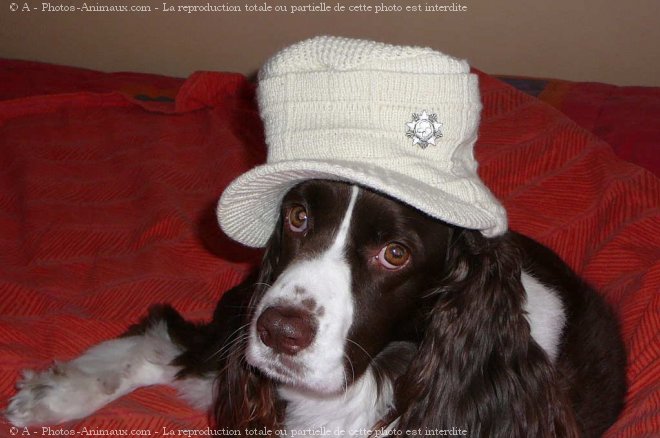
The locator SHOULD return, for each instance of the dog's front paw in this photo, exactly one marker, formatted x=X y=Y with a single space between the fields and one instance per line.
x=31 y=404
x=58 y=394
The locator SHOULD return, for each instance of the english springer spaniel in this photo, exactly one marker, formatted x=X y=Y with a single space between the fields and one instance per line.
x=368 y=317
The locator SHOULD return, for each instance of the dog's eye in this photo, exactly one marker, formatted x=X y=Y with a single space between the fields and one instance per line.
x=393 y=256
x=297 y=218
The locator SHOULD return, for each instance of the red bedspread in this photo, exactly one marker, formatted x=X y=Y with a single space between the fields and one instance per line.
x=627 y=118
x=107 y=196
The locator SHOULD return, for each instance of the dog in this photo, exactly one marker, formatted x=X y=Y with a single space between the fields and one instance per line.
x=370 y=317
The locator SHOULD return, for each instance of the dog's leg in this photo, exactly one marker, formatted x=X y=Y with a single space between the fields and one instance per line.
x=105 y=372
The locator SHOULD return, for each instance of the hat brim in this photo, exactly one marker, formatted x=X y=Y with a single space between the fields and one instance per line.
x=249 y=207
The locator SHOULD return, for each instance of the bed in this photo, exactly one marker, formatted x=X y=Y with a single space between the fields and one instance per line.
x=108 y=184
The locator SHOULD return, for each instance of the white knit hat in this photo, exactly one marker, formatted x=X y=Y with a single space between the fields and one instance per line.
x=400 y=120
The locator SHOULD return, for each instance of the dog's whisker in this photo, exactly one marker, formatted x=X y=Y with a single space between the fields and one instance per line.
x=227 y=349
x=242 y=306
x=371 y=359
x=261 y=283
x=350 y=362
x=232 y=342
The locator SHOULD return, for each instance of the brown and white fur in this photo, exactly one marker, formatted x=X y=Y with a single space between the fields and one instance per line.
x=369 y=315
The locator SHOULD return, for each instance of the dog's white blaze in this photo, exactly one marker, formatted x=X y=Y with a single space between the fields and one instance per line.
x=545 y=314
x=339 y=244
x=327 y=280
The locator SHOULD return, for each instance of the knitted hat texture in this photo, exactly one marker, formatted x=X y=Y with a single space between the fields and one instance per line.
x=400 y=120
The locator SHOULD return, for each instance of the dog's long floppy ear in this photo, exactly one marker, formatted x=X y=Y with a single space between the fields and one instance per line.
x=244 y=398
x=477 y=367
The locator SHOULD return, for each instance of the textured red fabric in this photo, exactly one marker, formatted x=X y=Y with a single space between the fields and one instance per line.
x=625 y=117
x=107 y=206
x=26 y=78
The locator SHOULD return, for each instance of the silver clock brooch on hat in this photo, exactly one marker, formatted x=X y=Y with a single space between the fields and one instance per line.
x=424 y=129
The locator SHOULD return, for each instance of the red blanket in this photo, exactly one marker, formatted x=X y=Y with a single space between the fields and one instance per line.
x=624 y=117
x=107 y=196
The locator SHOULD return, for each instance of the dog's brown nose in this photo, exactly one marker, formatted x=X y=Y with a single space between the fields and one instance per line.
x=286 y=329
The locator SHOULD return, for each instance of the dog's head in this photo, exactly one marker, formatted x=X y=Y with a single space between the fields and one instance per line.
x=347 y=274
x=351 y=273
